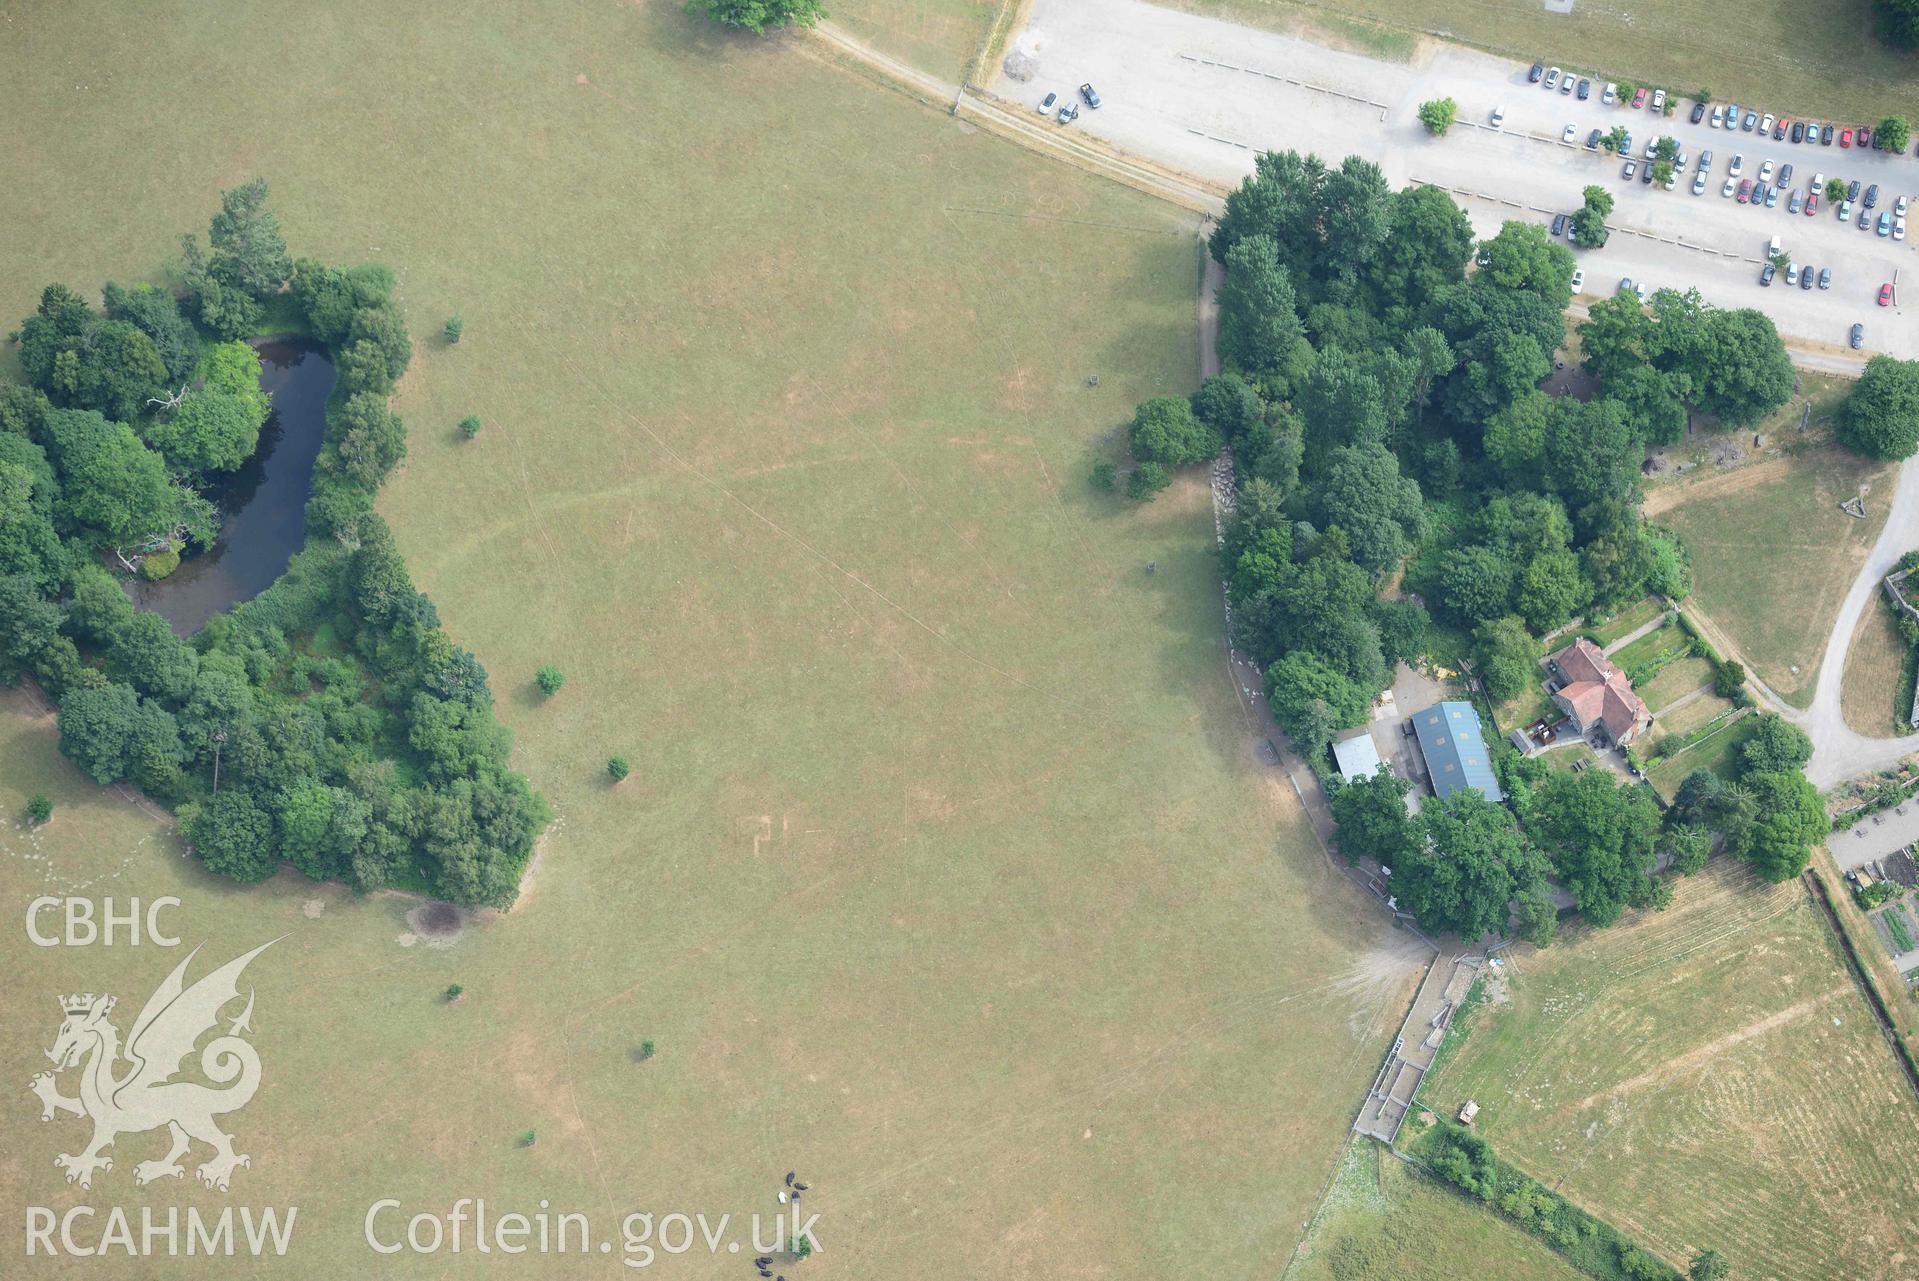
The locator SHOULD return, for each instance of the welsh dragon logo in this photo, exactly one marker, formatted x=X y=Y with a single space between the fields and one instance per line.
x=144 y=1096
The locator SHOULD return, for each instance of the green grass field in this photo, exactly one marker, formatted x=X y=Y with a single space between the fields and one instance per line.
x=946 y=872
x=1383 y=1221
x=940 y=36
x=1715 y=752
x=1675 y=680
x=1657 y=646
x=1773 y=531
x=1704 y=1076
x=1627 y=620
x=1795 y=59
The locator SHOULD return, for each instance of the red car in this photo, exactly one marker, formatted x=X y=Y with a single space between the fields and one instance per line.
x=1845 y=137
x=1865 y=136
x=1812 y=203
x=1885 y=294
x=1745 y=191
x=1638 y=98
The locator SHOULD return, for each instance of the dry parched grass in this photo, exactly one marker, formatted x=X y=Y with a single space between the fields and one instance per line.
x=1707 y=1076
x=1874 y=669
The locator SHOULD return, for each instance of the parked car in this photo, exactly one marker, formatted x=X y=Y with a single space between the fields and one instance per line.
x=1659 y=100
x=1798 y=131
x=1805 y=278
x=1745 y=191
x=1772 y=196
x=1812 y=203
x=1566 y=84
x=1672 y=180
x=1872 y=195
x=1765 y=171
x=1552 y=78
x=1592 y=139
x=1858 y=338
x=1785 y=175
x=1559 y=224
x=1765 y=123
x=1652 y=145
x=1625 y=284
x=1885 y=222
x=1536 y=74
x=1825 y=136
x=1699 y=183
x=1766 y=273
x=1865 y=219
x=1645 y=173
x=1069 y=113
x=1631 y=169
x=1611 y=96
x=1845 y=210
x=1639 y=291
x=1579 y=278
x=1797 y=202
x=1625 y=145
x=1898 y=228
x=1729 y=188
x=1779 y=130
x=1862 y=135
x=1738 y=165
x=1899 y=206
x=1752 y=118
x=1499 y=115
x=1705 y=160
x=1639 y=97
x=1845 y=137
x=1698 y=112
x=1566 y=134
x=1585 y=88
x=1718 y=118
x=1852 y=190
x=1087 y=92
x=1885 y=294
x=1825 y=277
x=1772 y=246
x=1732 y=116
x=1792 y=274
x=1047 y=104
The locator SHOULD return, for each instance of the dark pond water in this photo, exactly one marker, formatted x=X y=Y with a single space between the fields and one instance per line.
x=263 y=505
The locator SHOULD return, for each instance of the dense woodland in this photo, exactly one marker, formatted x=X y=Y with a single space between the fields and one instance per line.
x=351 y=737
x=1392 y=446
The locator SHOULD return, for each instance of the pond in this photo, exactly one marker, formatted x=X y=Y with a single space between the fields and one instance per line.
x=262 y=505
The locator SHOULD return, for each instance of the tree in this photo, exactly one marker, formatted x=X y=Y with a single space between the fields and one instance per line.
x=1835 y=190
x=1514 y=440
x=1880 y=415
x=1601 y=838
x=1522 y=256
x=1789 y=819
x=758 y=15
x=1476 y=583
x=617 y=769
x=249 y=253
x=1438 y=115
x=470 y=427
x=111 y=733
x=1312 y=702
x=231 y=834
x=39 y=809
x=452 y=330
x=1259 y=327
x=156 y=313
x=1145 y=481
x=1228 y=405
x=111 y=484
x=1775 y=745
x=1551 y=589
x=1708 y=1265
x=1362 y=492
x=1729 y=678
x=1465 y=865
x=1508 y=657
x=1688 y=845
x=1104 y=476
x=211 y=431
x=1742 y=372
x=1372 y=817
x=1894 y=134
x=549 y=679
x=1615 y=138
x=1164 y=430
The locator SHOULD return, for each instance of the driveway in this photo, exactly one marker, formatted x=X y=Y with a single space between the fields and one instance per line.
x=1206 y=96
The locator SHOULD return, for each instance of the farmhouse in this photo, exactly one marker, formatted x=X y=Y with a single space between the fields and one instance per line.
x=1596 y=695
x=1454 y=749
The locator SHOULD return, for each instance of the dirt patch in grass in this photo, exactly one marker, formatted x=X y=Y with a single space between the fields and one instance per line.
x=1875 y=667
x=1774 y=533
x=1718 y=1044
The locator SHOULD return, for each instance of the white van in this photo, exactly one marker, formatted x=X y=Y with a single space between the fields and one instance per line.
x=1499 y=116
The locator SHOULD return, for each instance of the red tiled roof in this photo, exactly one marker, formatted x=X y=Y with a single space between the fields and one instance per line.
x=1596 y=692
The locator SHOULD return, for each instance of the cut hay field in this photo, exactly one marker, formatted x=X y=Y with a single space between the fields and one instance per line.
x=1705 y=1076
x=1875 y=672
x=946 y=873
x=1383 y=1221
x=1773 y=531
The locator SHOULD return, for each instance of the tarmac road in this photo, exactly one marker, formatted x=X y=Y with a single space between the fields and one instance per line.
x=1206 y=96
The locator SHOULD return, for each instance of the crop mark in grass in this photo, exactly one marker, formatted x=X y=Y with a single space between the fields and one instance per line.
x=1028 y=216
x=1696 y=1058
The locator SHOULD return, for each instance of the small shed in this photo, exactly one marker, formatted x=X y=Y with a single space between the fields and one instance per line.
x=1357 y=756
